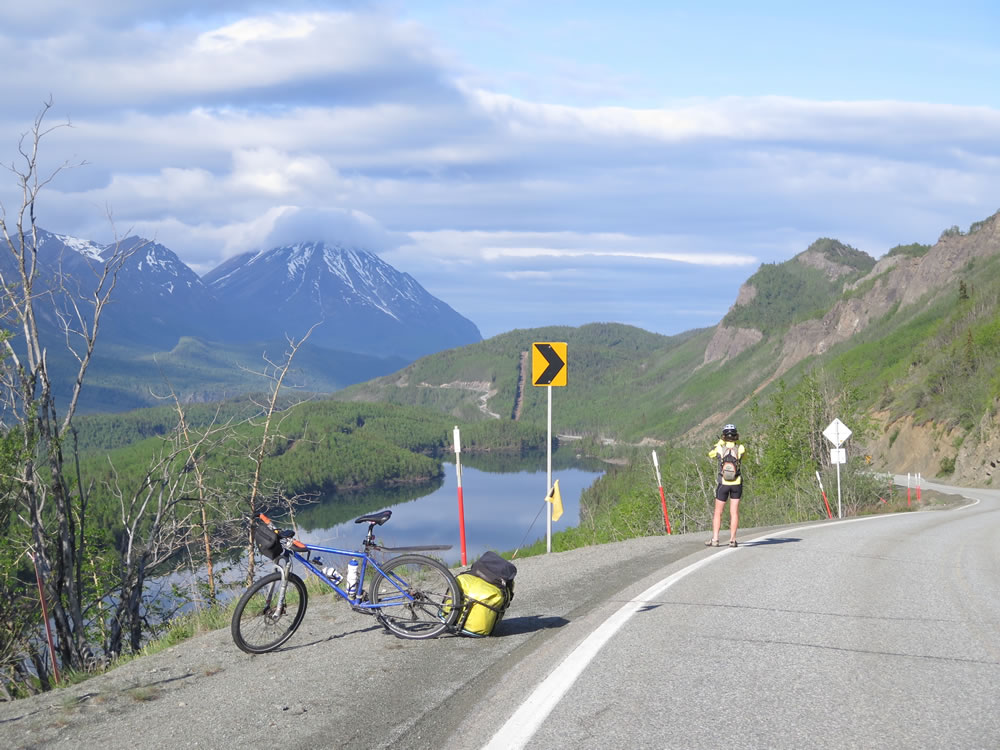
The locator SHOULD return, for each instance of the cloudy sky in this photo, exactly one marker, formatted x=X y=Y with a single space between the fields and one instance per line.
x=528 y=163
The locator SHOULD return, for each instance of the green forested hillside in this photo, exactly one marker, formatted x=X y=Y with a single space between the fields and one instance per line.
x=316 y=447
x=120 y=379
x=932 y=357
x=618 y=377
x=937 y=360
x=913 y=337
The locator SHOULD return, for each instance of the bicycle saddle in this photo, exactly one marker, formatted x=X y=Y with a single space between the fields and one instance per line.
x=380 y=518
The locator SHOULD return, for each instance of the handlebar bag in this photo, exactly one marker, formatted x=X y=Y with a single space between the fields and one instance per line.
x=267 y=541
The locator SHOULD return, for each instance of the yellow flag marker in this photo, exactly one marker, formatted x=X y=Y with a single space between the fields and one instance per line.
x=556 y=499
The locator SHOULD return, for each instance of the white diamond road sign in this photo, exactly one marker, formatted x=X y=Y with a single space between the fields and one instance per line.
x=837 y=432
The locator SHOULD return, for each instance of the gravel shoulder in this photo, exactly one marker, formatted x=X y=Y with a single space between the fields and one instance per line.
x=341 y=680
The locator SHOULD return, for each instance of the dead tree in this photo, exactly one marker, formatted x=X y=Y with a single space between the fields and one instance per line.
x=42 y=310
x=156 y=518
x=275 y=373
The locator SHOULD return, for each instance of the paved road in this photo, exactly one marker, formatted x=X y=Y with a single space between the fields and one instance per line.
x=880 y=632
x=874 y=633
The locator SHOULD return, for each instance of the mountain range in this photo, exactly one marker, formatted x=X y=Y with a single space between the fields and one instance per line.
x=367 y=318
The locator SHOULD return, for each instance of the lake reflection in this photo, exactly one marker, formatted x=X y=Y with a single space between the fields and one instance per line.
x=504 y=508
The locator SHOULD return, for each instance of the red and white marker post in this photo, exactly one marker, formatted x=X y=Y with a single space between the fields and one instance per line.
x=829 y=514
x=663 y=497
x=45 y=619
x=461 y=505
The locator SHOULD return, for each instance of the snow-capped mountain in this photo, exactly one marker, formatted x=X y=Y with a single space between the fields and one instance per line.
x=362 y=303
x=156 y=299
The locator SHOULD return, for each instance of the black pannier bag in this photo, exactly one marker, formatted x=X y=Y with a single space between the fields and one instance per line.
x=267 y=541
x=493 y=568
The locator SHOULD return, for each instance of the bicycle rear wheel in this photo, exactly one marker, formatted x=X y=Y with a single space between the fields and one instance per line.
x=258 y=624
x=419 y=597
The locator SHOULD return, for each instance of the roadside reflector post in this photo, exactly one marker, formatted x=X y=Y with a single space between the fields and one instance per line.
x=829 y=514
x=907 y=489
x=663 y=497
x=461 y=505
x=45 y=618
x=919 y=478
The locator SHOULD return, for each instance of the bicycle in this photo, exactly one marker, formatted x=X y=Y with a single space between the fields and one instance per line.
x=412 y=596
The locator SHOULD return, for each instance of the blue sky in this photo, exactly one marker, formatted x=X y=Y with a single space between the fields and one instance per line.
x=528 y=163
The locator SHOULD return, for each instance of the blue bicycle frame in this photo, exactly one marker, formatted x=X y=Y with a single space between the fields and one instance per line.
x=364 y=560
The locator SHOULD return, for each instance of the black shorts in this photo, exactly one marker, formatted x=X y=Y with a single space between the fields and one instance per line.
x=725 y=491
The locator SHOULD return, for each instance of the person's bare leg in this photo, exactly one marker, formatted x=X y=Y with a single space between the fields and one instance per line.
x=734 y=517
x=717 y=518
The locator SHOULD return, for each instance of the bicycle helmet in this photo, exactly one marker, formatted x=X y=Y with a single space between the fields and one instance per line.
x=729 y=432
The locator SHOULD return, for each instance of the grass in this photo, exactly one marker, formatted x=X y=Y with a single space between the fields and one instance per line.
x=144 y=693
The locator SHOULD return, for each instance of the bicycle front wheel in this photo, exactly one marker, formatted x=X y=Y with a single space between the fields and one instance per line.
x=259 y=624
x=418 y=597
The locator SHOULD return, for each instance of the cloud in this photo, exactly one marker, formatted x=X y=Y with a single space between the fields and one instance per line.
x=493 y=253
x=220 y=131
x=351 y=229
x=263 y=61
x=514 y=247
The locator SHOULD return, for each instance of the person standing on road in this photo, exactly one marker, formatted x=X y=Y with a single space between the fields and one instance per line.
x=729 y=452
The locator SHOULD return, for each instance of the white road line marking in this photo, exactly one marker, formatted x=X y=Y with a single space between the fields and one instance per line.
x=526 y=720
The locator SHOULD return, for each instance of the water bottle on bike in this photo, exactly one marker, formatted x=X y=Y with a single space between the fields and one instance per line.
x=352 y=578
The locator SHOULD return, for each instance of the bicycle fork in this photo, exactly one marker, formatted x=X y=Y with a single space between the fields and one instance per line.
x=277 y=608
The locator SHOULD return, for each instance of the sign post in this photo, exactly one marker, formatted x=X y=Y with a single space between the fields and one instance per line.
x=461 y=504
x=548 y=368
x=837 y=432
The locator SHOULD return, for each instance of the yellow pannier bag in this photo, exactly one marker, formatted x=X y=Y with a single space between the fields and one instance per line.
x=483 y=604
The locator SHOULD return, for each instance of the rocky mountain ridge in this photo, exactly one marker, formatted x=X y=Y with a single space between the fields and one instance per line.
x=893 y=280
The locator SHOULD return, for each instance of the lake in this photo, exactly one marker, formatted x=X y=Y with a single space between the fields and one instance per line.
x=503 y=496
x=504 y=501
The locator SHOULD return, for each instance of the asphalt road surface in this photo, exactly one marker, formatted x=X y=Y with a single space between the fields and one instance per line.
x=880 y=632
